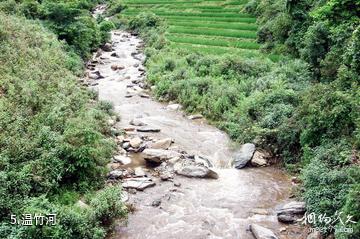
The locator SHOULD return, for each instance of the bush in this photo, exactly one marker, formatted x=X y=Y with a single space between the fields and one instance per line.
x=72 y=221
x=107 y=205
x=328 y=190
x=114 y=7
x=52 y=136
x=325 y=114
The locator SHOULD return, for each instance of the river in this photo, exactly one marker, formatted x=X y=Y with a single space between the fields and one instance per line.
x=199 y=208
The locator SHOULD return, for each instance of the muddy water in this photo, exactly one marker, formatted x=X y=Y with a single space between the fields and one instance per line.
x=199 y=208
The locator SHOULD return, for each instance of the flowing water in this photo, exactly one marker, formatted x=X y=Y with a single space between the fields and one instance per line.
x=199 y=208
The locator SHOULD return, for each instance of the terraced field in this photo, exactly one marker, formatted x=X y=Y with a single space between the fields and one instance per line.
x=209 y=26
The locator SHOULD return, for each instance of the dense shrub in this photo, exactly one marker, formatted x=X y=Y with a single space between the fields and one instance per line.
x=72 y=221
x=326 y=119
x=305 y=111
x=52 y=136
x=70 y=20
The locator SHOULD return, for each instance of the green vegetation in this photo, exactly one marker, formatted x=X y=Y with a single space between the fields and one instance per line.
x=70 y=20
x=287 y=80
x=199 y=24
x=54 y=137
x=304 y=107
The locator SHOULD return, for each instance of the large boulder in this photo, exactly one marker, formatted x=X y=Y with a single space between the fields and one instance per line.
x=138 y=183
x=260 y=232
x=161 y=144
x=189 y=168
x=159 y=155
x=107 y=47
x=122 y=159
x=258 y=159
x=291 y=212
x=135 y=142
x=244 y=155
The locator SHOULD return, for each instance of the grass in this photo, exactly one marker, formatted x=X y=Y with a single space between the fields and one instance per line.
x=213 y=32
x=216 y=50
x=204 y=24
x=207 y=19
x=195 y=14
x=211 y=26
x=213 y=42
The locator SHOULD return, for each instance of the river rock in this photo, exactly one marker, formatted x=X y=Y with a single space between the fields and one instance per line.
x=156 y=203
x=244 y=155
x=314 y=235
x=95 y=75
x=159 y=155
x=139 y=172
x=124 y=196
x=258 y=159
x=135 y=142
x=137 y=122
x=117 y=67
x=117 y=174
x=194 y=117
x=126 y=145
x=122 y=159
x=161 y=144
x=260 y=232
x=189 y=168
x=114 y=54
x=107 y=47
x=174 y=107
x=148 y=129
x=166 y=175
x=202 y=160
x=138 y=183
x=291 y=212
x=144 y=95
x=113 y=166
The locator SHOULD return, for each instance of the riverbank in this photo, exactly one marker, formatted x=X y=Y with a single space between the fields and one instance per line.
x=176 y=205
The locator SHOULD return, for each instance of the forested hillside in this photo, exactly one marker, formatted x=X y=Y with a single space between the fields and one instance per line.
x=54 y=136
x=325 y=35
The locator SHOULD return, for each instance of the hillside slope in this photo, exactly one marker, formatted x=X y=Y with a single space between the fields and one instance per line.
x=54 y=138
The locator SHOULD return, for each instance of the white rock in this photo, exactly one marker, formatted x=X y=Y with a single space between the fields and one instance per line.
x=137 y=122
x=262 y=232
x=135 y=142
x=189 y=168
x=194 y=117
x=161 y=144
x=124 y=196
x=138 y=183
x=258 y=159
x=159 y=155
x=139 y=172
x=122 y=159
x=174 y=107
